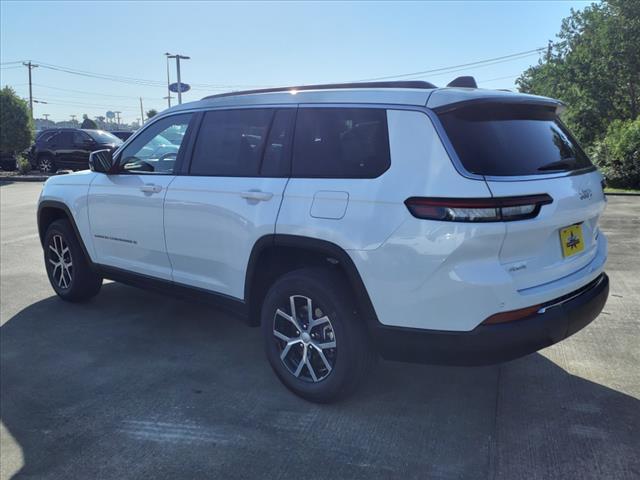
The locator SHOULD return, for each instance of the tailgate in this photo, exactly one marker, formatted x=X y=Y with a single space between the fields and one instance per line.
x=532 y=251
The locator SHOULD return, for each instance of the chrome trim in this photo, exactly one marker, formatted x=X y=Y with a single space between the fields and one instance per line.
x=576 y=294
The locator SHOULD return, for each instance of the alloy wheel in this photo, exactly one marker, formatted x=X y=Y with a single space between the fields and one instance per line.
x=46 y=165
x=60 y=258
x=305 y=338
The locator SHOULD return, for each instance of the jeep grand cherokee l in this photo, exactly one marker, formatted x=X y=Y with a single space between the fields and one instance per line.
x=444 y=225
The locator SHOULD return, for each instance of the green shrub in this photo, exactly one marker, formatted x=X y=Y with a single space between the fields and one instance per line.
x=16 y=126
x=23 y=164
x=618 y=154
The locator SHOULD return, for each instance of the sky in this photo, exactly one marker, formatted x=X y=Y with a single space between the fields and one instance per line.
x=236 y=46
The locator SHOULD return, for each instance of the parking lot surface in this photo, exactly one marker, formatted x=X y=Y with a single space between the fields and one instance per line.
x=138 y=385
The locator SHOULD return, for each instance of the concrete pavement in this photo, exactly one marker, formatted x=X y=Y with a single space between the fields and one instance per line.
x=137 y=385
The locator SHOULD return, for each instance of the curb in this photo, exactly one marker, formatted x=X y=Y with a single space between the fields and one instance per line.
x=23 y=178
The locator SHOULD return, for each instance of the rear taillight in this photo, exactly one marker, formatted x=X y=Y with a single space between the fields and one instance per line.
x=497 y=209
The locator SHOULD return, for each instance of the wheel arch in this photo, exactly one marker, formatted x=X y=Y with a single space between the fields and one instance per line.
x=277 y=254
x=48 y=212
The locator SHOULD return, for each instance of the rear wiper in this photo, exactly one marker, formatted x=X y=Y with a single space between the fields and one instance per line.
x=564 y=164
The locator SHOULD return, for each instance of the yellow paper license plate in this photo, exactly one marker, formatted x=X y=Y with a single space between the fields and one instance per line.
x=572 y=240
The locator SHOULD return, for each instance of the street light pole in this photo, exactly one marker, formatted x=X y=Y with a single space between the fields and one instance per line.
x=179 y=57
x=168 y=55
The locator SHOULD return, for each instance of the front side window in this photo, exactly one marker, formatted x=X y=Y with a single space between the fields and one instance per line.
x=511 y=140
x=152 y=151
x=341 y=143
x=230 y=143
x=80 y=138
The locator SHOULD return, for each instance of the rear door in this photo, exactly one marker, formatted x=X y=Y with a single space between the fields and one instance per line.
x=62 y=148
x=228 y=197
x=82 y=145
x=525 y=150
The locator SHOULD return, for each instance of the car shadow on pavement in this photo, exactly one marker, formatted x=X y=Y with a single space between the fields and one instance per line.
x=138 y=385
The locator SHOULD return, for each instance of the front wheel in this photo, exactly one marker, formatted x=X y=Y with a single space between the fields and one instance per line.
x=315 y=342
x=68 y=269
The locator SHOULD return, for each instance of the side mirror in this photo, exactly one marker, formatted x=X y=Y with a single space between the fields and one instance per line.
x=101 y=161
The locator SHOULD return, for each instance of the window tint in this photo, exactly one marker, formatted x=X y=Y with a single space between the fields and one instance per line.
x=341 y=143
x=151 y=151
x=230 y=143
x=508 y=140
x=63 y=139
x=80 y=138
x=46 y=135
x=277 y=150
x=101 y=136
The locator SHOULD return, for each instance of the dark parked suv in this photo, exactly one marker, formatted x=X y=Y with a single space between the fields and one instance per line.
x=69 y=148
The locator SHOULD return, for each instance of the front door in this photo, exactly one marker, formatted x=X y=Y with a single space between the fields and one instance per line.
x=126 y=208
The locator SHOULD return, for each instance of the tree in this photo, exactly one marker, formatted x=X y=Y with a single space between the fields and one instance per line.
x=618 y=154
x=594 y=68
x=16 y=125
x=152 y=113
x=88 y=123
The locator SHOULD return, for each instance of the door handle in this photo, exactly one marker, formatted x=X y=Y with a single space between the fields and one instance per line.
x=150 y=188
x=257 y=195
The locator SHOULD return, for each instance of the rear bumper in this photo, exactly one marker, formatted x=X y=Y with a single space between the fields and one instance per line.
x=487 y=344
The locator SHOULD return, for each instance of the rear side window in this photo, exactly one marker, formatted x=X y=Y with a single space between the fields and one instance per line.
x=341 y=143
x=230 y=143
x=62 y=139
x=511 y=140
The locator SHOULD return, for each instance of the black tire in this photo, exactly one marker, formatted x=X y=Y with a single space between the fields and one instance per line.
x=79 y=282
x=46 y=164
x=352 y=355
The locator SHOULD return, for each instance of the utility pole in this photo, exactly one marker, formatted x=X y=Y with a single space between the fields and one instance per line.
x=46 y=116
x=73 y=117
x=168 y=55
x=30 y=66
x=118 y=118
x=141 y=112
x=178 y=58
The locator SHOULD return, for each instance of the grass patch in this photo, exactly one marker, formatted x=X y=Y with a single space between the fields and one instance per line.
x=621 y=190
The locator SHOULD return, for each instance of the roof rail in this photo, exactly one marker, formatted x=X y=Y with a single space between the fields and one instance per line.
x=332 y=86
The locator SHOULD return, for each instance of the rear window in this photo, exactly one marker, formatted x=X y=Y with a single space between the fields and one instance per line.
x=101 y=136
x=511 y=140
x=341 y=143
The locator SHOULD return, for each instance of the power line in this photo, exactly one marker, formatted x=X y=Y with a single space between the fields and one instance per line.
x=462 y=65
x=499 y=78
x=84 y=92
x=129 y=80
x=82 y=104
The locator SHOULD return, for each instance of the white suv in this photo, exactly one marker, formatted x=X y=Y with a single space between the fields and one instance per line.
x=439 y=225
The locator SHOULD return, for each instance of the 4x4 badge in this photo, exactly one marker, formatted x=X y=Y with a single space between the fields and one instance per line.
x=585 y=194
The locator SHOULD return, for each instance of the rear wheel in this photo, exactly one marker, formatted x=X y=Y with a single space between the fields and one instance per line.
x=46 y=164
x=68 y=269
x=314 y=341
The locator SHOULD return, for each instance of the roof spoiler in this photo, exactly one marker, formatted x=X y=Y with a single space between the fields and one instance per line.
x=464 y=82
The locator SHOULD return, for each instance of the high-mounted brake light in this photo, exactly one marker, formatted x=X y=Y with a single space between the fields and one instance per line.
x=497 y=209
